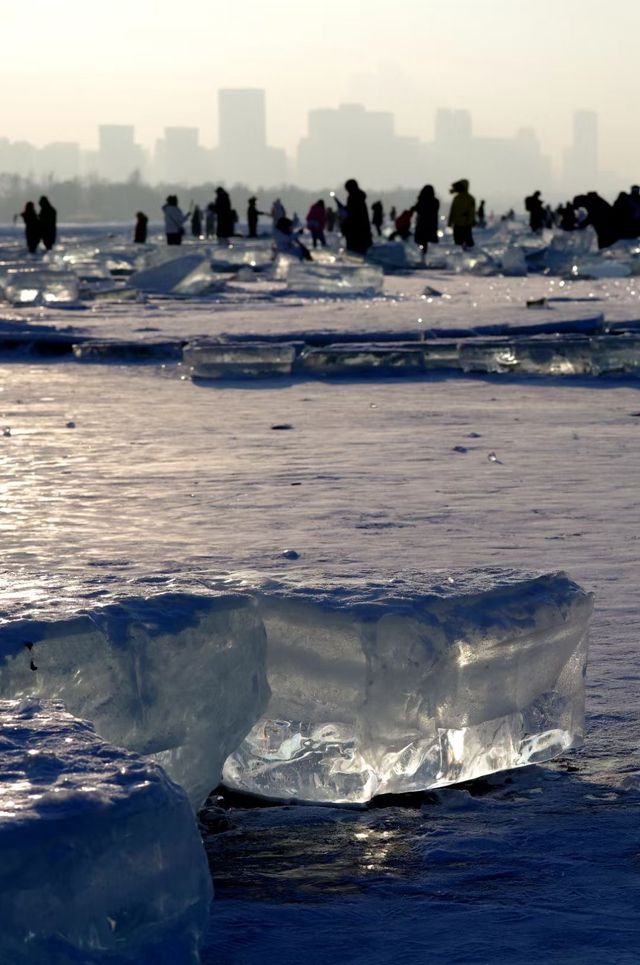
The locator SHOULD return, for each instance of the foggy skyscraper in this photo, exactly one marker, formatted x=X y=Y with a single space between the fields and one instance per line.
x=581 y=158
x=242 y=155
x=118 y=154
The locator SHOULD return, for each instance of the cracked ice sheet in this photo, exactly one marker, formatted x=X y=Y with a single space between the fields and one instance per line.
x=259 y=309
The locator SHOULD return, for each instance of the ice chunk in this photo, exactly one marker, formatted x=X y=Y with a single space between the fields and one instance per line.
x=147 y=350
x=611 y=354
x=403 y=689
x=340 y=279
x=440 y=354
x=220 y=360
x=536 y=356
x=233 y=257
x=475 y=262
x=179 y=678
x=391 y=255
x=35 y=286
x=362 y=359
x=183 y=275
x=565 y=355
x=600 y=268
x=513 y=262
x=100 y=857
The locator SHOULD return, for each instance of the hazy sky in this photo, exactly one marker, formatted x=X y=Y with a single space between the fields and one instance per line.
x=67 y=65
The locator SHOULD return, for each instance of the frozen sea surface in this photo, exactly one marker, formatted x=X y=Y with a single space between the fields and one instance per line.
x=164 y=484
x=122 y=480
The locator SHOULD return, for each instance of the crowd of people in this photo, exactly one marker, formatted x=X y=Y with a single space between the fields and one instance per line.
x=611 y=222
x=351 y=216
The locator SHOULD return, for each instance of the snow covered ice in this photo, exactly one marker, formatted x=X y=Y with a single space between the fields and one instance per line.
x=397 y=689
x=177 y=678
x=100 y=857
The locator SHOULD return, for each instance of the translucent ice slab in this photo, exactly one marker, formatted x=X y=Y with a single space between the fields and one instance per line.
x=211 y=360
x=188 y=274
x=100 y=857
x=394 y=255
x=233 y=257
x=566 y=355
x=35 y=286
x=361 y=359
x=340 y=279
x=400 y=687
x=178 y=678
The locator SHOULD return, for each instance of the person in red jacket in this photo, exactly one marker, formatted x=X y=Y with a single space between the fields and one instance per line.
x=316 y=221
x=402 y=225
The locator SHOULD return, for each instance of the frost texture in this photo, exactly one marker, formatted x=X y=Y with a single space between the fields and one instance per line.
x=403 y=695
x=178 y=678
x=100 y=857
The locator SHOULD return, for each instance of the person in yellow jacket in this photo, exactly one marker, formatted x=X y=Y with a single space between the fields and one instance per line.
x=462 y=216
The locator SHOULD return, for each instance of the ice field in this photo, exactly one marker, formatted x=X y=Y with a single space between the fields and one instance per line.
x=340 y=486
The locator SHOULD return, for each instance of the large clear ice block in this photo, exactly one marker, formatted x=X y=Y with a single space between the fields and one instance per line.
x=400 y=689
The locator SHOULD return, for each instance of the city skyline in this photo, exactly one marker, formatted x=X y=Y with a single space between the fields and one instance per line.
x=152 y=66
x=337 y=142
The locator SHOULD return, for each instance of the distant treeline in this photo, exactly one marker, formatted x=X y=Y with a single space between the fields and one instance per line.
x=89 y=200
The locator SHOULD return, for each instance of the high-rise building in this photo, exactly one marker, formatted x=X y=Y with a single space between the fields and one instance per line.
x=243 y=155
x=17 y=157
x=118 y=154
x=61 y=159
x=580 y=172
x=181 y=159
x=352 y=142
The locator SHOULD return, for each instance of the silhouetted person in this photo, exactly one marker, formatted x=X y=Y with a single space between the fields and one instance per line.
x=31 y=226
x=481 y=218
x=535 y=206
x=224 y=215
x=393 y=213
x=549 y=216
x=356 y=227
x=462 y=214
x=634 y=205
x=600 y=215
x=622 y=216
x=287 y=242
x=331 y=218
x=48 y=220
x=140 y=229
x=567 y=217
x=210 y=220
x=427 y=210
x=377 y=216
x=277 y=212
x=196 y=222
x=174 y=220
x=402 y=228
x=316 y=220
x=252 y=217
